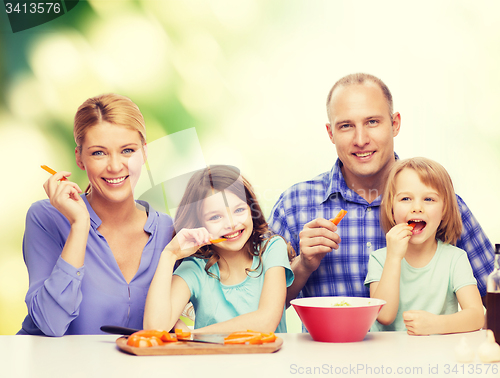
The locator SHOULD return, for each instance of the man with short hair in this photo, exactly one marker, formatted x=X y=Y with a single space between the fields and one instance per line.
x=333 y=261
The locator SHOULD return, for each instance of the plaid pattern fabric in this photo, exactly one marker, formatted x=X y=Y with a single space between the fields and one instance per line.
x=343 y=271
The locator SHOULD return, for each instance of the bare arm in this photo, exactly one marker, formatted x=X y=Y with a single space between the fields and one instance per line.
x=168 y=294
x=388 y=287
x=268 y=315
x=316 y=240
x=470 y=318
x=388 y=290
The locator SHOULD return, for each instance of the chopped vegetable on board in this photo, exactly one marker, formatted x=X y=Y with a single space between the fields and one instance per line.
x=250 y=337
x=149 y=338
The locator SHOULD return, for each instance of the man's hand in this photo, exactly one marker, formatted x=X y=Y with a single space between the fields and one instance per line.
x=317 y=239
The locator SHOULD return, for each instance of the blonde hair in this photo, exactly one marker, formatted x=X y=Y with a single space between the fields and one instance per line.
x=112 y=108
x=431 y=174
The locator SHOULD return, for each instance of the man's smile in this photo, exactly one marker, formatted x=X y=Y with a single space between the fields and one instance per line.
x=364 y=154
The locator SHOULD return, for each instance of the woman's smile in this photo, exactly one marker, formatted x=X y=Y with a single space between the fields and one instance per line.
x=117 y=180
x=112 y=155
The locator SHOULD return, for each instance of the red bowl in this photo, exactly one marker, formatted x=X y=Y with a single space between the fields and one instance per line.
x=337 y=319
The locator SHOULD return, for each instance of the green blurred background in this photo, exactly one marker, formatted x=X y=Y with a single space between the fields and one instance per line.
x=251 y=76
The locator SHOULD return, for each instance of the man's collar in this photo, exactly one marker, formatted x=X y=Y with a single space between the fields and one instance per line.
x=337 y=183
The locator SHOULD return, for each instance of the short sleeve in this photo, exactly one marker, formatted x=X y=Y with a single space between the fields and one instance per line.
x=375 y=266
x=192 y=271
x=477 y=245
x=278 y=222
x=276 y=254
x=462 y=274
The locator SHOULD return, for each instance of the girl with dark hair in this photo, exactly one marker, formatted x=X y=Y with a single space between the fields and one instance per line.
x=233 y=270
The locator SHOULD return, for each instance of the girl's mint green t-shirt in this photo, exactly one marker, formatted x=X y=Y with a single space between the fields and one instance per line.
x=431 y=288
x=214 y=302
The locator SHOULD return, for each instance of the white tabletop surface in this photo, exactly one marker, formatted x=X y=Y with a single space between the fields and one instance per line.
x=378 y=355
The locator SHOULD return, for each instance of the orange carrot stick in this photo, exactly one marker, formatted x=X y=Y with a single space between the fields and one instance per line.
x=214 y=241
x=52 y=172
x=338 y=217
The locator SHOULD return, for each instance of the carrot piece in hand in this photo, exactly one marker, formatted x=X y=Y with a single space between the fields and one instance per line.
x=338 y=217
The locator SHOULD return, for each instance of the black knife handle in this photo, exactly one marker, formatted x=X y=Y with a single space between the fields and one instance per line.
x=117 y=330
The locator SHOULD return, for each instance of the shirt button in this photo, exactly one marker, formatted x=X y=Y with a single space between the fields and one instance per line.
x=78 y=273
x=369 y=209
x=369 y=244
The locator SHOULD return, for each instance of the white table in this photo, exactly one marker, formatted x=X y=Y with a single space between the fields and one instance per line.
x=380 y=354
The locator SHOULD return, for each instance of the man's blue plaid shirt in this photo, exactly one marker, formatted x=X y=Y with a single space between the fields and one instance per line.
x=342 y=272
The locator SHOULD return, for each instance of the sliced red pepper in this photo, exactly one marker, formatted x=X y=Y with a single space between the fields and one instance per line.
x=139 y=341
x=155 y=341
x=255 y=339
x=150 y=337
x=238 y=335
x=150 y=333
x=250 y=337
x=181 y=334
x=168 y=337
x=268 y=337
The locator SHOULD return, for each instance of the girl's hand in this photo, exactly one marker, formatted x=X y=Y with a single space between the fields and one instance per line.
x=65 y=197
x=397 y=240
x=187 y=241
x=419 y=322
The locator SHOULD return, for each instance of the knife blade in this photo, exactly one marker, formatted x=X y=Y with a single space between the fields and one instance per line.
x=201 y=338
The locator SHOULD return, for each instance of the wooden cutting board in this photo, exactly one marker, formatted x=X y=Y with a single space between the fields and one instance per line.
x=179 y=348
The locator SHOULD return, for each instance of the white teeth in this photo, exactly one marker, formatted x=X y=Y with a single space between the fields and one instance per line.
x=115 y=181
x=232 y=235
x=364 y=154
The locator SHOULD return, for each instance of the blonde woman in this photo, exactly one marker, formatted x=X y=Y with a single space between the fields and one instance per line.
x=91 y=256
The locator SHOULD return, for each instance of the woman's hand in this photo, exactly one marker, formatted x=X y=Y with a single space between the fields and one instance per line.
x=65 y=197
x=397 y=240
x=187 y=241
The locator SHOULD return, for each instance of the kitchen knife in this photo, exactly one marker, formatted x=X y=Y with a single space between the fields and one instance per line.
x=195 y=338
